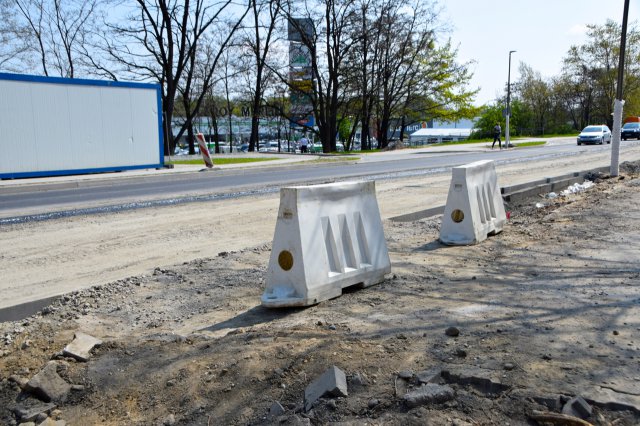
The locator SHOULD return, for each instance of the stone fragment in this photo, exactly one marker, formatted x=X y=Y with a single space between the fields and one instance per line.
x=30 y=408
x=332 y=382
x=357 y=379
x=461 y=353
x=429 y=376
x=486 y=381
x=405 y=374
x=276 y=409
x=18 y=380
x=47 y=385
x=578 y=407
x=428 y=394
x=625 y=397
x=81 y=346
x=452 y=332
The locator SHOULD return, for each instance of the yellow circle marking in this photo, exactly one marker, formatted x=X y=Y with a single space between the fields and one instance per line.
x=457 y=216
x=285 y=260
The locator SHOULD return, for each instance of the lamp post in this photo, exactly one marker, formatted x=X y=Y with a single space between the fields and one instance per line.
x=506 y=135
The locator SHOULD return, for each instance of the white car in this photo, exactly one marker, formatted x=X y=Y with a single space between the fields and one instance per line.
x=269 y=147
x=595 y=134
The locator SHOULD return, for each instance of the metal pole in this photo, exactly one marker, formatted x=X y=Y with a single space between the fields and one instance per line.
x=619 y=103
x=506 y=135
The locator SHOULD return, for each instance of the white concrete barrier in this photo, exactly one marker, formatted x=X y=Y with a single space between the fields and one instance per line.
x=474 y=205
x=327 y=237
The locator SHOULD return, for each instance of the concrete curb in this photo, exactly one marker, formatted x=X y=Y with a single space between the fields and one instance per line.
x=514 y=193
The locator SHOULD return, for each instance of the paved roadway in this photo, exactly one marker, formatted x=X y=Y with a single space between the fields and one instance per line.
x=144 y=188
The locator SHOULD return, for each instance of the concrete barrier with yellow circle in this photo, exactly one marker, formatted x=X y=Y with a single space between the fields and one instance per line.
x=474 y=207
x=327 y=237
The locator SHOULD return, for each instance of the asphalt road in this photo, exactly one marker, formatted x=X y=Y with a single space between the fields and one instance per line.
x=137 y=192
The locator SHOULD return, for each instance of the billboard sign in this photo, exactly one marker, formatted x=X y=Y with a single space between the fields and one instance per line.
x=300 y=29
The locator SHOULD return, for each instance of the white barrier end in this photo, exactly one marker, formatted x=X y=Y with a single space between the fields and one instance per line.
x=474 y=207
x=328 y=237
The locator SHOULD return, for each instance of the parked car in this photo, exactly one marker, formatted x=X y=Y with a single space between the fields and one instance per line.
x=595 y=134
x=288 y=146
x=630 y=131
x=271 y=146
x=185 y=151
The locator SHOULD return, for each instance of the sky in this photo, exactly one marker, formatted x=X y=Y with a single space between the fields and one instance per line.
x=540 y=31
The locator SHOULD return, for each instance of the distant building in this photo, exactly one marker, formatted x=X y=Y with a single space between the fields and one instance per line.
x=441 y=131
x=426 y=136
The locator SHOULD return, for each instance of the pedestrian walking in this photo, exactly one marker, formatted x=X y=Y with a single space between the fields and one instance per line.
x=497 y=130
x=303 y=144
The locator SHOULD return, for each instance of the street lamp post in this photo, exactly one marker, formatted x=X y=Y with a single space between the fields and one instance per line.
x=506 y=135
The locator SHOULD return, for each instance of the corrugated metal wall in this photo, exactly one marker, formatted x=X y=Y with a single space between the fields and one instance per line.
x=53 y=126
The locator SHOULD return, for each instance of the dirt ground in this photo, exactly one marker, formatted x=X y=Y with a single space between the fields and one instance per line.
x=546 y=310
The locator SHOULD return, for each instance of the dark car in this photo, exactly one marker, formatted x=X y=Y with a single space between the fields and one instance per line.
x=630 y=131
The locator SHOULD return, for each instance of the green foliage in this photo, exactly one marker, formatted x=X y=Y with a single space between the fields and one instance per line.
x=582 y=94
x=533 y=143
x=344 y=128
x=490 y=115
x=440 y=88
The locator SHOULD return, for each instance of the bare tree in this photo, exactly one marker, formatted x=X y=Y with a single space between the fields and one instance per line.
x=329 y=44
x=159 y=42
x=406 y=31
x=55 y=33
x=265 y=16
x=13 y=38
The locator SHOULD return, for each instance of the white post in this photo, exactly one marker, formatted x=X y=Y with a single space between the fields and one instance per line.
x=506 y=132
x=618 y=103
x=615 y=139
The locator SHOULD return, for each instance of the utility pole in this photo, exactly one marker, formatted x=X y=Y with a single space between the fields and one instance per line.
x=619 y=103
x=506 y=134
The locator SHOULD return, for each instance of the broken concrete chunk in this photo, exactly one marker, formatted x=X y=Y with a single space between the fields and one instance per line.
x=47 y=385
x=29 y=409
x=428 y=394
x=332 y=382
x=406 y=375
x=276 y=409
x=20 y=381
x=486 y=381
x=358 y=379
x=577 y=407
x=81 y=346
x=429 y=376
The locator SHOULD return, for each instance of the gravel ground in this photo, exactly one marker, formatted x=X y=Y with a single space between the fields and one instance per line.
x=505 y=332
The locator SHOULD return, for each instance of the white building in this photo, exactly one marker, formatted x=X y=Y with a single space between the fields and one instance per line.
x=426 y=136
